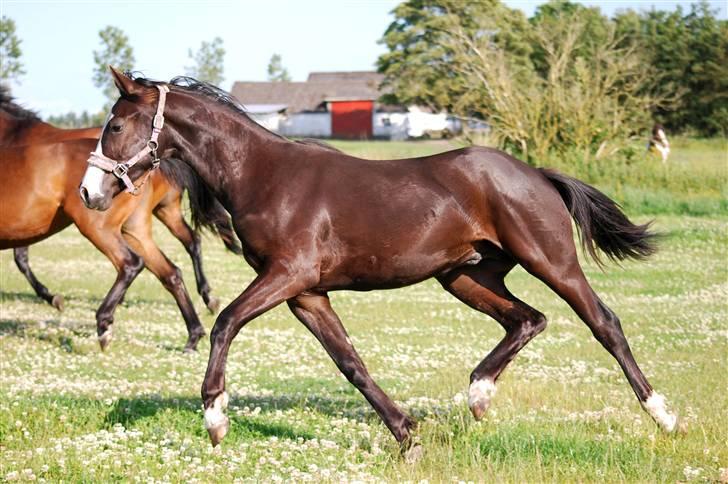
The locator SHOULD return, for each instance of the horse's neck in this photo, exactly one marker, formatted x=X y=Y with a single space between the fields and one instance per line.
x=235 y=157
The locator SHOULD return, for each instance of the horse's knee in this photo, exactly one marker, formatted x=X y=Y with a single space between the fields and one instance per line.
x=172 y=279
x=133 y=265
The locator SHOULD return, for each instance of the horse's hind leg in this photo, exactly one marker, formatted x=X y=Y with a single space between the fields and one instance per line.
x=21 y=260
x=170 y=214
x=482 y=288
x=137 y=231
x=315 y=312
x=551 y=256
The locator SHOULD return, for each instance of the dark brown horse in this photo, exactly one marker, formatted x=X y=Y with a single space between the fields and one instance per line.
x=19 y=126
x=313 y=220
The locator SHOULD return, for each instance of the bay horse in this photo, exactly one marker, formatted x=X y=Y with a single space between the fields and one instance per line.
x=313 y=220
x=20 y=126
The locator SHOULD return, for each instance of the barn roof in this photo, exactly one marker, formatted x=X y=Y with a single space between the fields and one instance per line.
x=310 y=95
x=362 y=76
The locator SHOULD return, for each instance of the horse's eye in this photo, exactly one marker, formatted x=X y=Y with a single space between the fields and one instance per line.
x=116 y=128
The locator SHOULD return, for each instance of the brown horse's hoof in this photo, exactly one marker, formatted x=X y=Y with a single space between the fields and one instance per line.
x=57 y=302
x=218 y=432
x=192 y=340
x=213 y=304
x=189 y=351
x=105 y=339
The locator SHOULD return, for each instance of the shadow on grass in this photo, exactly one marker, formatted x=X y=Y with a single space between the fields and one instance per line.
x=185 y=412
x=575 y=446
x=90 y=299
x=24 y=329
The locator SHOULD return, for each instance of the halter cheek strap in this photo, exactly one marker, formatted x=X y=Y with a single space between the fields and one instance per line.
x=121 y=170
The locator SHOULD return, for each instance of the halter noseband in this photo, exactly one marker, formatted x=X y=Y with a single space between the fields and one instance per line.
x=120 y=170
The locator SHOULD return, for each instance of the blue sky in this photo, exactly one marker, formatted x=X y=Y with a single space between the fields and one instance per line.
x=58 y=38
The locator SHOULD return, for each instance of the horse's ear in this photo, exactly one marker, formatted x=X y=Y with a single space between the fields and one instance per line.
x=127 y=86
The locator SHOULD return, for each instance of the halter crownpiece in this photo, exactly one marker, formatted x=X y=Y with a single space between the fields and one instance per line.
x=120 y=170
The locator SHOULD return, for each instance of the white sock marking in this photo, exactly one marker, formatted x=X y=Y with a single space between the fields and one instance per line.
x=655 y=406
x=214 y=415
x=481 y=392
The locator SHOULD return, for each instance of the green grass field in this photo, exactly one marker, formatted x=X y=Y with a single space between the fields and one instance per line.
x=563 y=412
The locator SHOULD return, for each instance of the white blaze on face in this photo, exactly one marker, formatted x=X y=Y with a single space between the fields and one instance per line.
x=214 y=415
x=92 y=180
x=94 y=176
x=655 y=406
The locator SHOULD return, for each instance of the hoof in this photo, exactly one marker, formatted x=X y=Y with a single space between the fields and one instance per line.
x=57 y=302
x=105 y=339
x=479 y=397
x=656 y=407
x=192 y=340
x=218 y=432
x=189 y=351
x=213 y=305
x=414 y=454
x=216 y=422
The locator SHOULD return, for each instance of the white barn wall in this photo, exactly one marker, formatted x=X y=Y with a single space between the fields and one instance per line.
x=306 y=125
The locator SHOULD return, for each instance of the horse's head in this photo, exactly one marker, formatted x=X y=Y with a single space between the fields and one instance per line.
x=131 y=143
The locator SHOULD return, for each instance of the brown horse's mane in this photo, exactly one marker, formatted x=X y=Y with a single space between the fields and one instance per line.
x=8 y=104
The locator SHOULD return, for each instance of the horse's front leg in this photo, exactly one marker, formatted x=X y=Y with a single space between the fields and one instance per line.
x=316 y=313
x=277 y=282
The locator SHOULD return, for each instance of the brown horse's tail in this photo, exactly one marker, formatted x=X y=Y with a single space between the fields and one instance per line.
x=601 y=222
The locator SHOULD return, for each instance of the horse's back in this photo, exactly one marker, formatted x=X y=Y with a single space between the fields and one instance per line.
x=36 y=180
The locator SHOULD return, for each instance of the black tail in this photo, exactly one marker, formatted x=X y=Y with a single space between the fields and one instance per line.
x=601 y=222
x=206 y=210
x=224 y=228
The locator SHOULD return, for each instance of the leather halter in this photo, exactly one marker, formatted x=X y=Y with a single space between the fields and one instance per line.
x=120 y=170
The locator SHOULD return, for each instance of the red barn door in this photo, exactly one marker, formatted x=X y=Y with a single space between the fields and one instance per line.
x=351 y=119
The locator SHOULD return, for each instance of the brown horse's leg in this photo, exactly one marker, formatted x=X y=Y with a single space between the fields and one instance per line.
x=275 y=283
x=21 y=260
x=315 y=312
x=481 y=287
x=607 y=329
x=170 y=214
x=128 y=265
x=137 y=231
x=551 y=256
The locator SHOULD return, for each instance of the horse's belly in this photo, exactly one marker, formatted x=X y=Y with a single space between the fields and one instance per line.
x=385 y=272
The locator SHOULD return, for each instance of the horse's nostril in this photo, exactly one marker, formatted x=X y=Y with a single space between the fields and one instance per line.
x=84 y=195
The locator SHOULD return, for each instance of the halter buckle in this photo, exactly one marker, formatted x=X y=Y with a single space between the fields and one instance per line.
x=158 y=121
x=120 y=170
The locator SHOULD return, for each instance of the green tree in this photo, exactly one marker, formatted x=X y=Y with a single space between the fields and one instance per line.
x=115 y=51
x=209 y=62
x=690 y=51
x=417 y=67
x=595 y=31
x=10 y=52
x=75 y=120
x=276 y=71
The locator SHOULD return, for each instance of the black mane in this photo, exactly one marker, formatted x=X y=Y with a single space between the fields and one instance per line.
x=206 y=210
x=8 y=104
x=191 y=84
x=223 y=97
